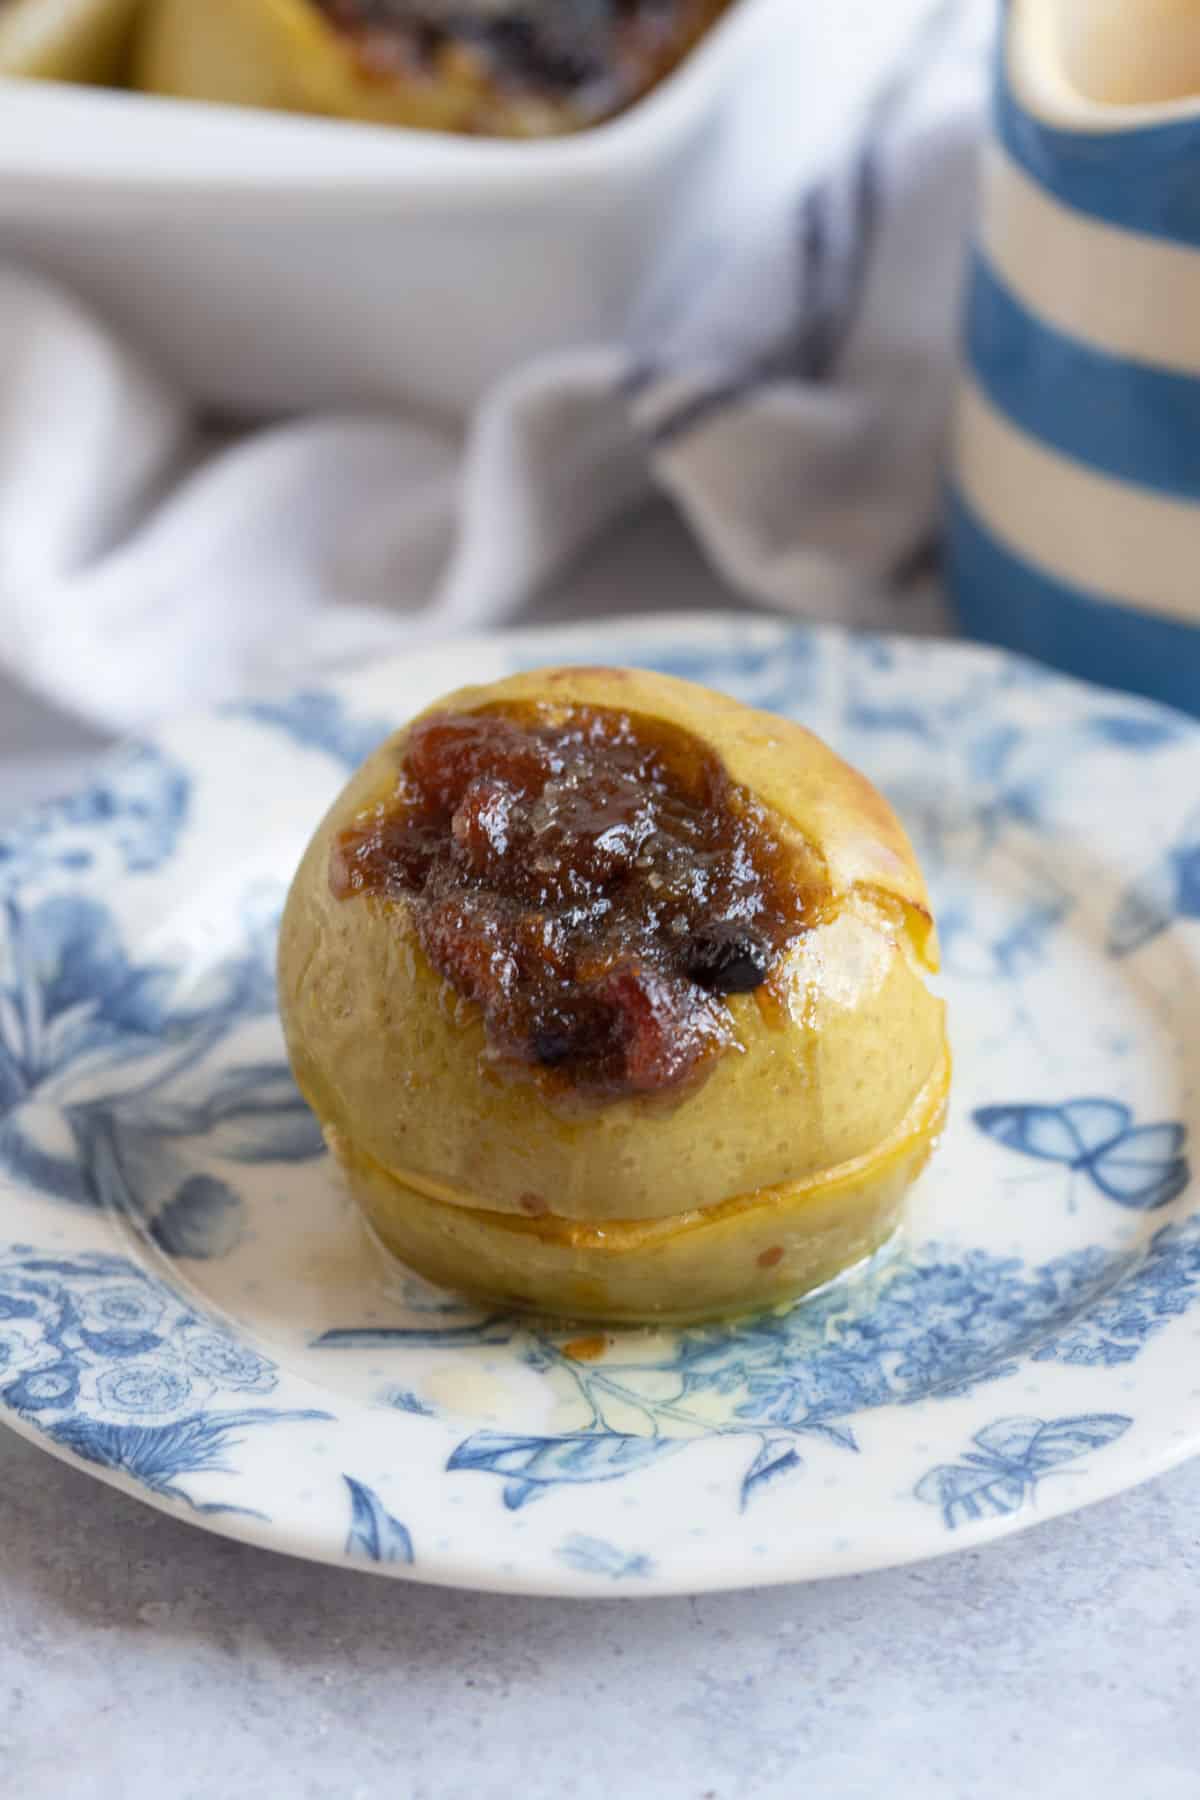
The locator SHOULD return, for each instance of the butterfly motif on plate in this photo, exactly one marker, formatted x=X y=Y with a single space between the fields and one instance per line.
x=1009 y=1459
x=1141 y=1167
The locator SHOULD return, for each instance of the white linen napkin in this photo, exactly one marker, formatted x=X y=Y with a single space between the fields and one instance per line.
x=787 y=387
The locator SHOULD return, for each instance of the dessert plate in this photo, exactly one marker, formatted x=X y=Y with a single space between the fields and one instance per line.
x=190 y=1311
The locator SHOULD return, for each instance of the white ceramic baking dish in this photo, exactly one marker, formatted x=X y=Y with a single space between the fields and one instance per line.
x=280 y=262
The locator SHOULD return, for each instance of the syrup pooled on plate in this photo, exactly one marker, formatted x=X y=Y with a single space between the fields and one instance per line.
x=592 y=879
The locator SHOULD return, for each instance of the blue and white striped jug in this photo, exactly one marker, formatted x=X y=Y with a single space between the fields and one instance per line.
x=1074 y=529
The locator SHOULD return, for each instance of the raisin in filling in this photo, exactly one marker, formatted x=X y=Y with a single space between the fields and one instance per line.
x=591 y=879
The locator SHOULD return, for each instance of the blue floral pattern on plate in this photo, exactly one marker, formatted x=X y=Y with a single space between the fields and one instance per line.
x=187 y=1310
x=109 y=1073
x=374 y=1534
x=927 y=1326
x=1169 y=889
x=315 y=719
x=593 y=1556
x=116 y=1368
x=127 y=822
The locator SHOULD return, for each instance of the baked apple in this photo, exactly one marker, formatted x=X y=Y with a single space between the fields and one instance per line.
x=508 y=68
x=612 y=996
